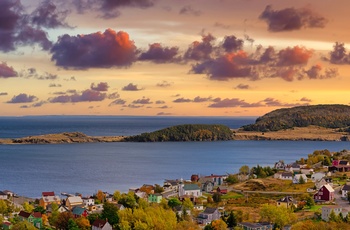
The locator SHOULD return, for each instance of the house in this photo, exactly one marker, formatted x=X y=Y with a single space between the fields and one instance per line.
x=190 y=190
x=73 y=201
x=306 y=171
x=49 y=198
x=325 y=193
x=147 y=188
x=207 y=186
x=296 y=179
x=142 y=195
x=324 y=181
x=327 y=209
x=34 y=218
x=169 y=194
x=286 y=176
x=255 y=226
x=101 y=225
x=222 y=189
x=88 y=201
x=340 y=166
x=120 y=206
x=3 y=196
x=279 y=165
x=208 y=215
x=9 y=193
x=317 y=176
x=6 y=225
x=194 y=178
x=294 y=167
x=180 y=210
x=63 y=208
x=155 y=198
x=79 y=212
x=344 y=191
x=217 y=179
x=171 y=185
x=287 y=202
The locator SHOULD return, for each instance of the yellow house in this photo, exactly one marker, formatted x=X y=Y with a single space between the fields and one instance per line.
x=287 y=202
x=49 y=198
x=73 y=201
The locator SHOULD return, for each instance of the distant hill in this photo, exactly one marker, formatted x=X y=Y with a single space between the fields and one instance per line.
x=328 y=116
x=188 y=132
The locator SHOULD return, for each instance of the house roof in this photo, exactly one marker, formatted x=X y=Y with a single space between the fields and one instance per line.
x=99 y=223
x=24 y=214
x=221 y=187
x=346 y=187
x=51 y=198
x=209 y=210
x=37 y=214
x=343 y=162
x=191 y=187
x=287 y=199
x=328 y=187
x=2 y=193
x=75 y=199
x=48 y=193
x=287 y=174
x=78 y=211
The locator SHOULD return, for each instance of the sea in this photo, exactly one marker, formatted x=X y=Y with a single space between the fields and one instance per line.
x=85 y=168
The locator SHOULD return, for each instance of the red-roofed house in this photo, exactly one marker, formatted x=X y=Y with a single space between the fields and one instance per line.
x=101 y=225
x=325 y=193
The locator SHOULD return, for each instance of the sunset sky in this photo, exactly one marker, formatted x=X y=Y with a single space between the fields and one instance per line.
x=172 y=57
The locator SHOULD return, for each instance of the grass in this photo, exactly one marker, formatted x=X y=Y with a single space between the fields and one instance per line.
x=314 y=208
x=231 y=195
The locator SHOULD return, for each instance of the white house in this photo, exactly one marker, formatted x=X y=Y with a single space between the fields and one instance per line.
x=88 y=201
x=190 y=190
x=286 y=176
x=344 y=191
x=317 y=176
x=327 y=209
x=297 y=177
x=307 y=171
x=3 y=196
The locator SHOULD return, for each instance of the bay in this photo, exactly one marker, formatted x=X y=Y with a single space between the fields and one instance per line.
x=31 y=169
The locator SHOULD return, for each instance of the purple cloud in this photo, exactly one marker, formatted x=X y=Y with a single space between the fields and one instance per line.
x=165 y=84
x=189 y=10
x=131 y=87
x=159 y=54
x=233 y=102
x=7 y=71
x=48 y=15
x=23 y=98
x=86 y=95
x=231 y=43
x=143 y=101
x=114 y=95
x=182 y=100
x=200 y=50
x=339 y=55
x=199 y=99
x=55 y=85
x=102 y=86
x=159 y=102
x=305 y=99
x=291 y=19
x=3 y=93
x=99 y=50
x=117 y=102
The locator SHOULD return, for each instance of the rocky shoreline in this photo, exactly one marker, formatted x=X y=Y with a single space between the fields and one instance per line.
x=311 y=133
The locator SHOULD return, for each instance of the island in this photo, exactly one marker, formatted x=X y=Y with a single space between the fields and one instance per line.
x=312 y=123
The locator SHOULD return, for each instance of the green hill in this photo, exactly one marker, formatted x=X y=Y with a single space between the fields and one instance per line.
x=188 y=132
x=328 y=116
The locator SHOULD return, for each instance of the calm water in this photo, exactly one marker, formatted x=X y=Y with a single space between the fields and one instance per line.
x=85 y=168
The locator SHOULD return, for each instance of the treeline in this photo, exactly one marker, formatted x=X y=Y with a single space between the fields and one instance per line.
x=188 y=132
x=328 y=116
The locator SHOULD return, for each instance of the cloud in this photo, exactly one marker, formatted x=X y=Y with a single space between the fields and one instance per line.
x=159 y=102
x=233 y=102
x=291 y=19
x=39 y=104
x=131 y=87
x=102 y=86
x=32 y=73
x=133 y=106
x=339 y=55
x=55 y=85
x=315 y=72
x=16 y=29
x=47 y=15
x=305 y=99
x=159 y=54
x=163 y=107
x=276 y=103
x=117 y=102
x=200 y=50
x=294 y=56
x=221 y=25
x=86 y=95
x=114 y=95
x=164 y=84
x=164 y=114
x=182 y=100
x=3 y=93
x=189 y=10
x=110 y=8
x=7 y=71
x=99 y=50
x=242 y=86
x=143 y=101
x=199 y=99
x=23 y=98
x=231 y=43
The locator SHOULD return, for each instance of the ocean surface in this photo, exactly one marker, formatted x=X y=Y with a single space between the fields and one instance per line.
x=85 y=168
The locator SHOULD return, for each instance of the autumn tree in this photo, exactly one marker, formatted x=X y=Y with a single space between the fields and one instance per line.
x=62 y=222
x=110 y=212
x=216 y=225
x=244 y=170
x=232 y=179
x=158 y=188
x=83 y=223
x=187 y=203
x=28 y=207
x=128 y=200
x=217 y=197
x=116 y=195
x=3 y=207
x=101 y=196
x=54 y=214
x=23 y=225
x=279 y=216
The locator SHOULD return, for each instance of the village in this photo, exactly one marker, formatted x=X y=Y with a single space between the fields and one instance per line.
x=314 y=190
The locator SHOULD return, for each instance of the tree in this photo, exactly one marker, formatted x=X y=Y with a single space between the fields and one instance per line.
x=28 y=207
x=110 y=212
x=231 y=220
x=128 y=200
x=101 y=196
x=301 y=180
x=3 y=207
x=280 y=216
x=23 y=225
x=217 y=197
x=40 y=209
x=187 y=203
x=92 y=217
x=158 y=189
x=173 y=202
x=72 y=225
x=63 y=220
x=54 y=214
x=116 y=195
x=244 y=170
x=310 y=201
x=333 y=217
x=83 y=223
x=232 y=179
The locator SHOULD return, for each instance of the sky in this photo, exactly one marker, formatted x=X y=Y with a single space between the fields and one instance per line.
x=172 y=57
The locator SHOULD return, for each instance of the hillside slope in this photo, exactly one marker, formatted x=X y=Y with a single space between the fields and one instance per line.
x=188 y=132
x=328 y=116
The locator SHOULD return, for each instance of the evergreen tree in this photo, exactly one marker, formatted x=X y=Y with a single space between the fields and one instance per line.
x=231 y=220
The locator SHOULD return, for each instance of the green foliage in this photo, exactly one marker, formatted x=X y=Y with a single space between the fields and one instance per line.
x=244 y=170
x=263 y=172
x=301 y=180
x=63 y=220
x=23 y=225
x=128 y=200
x=158 y=188
x=110 y=212
x=40 y=209
x=217 y=197
x=232 y=179
x=279 y=216
x=92 y=217
x=72 y=225
x=189 y=132
x=328 y=116
x=231 y=220
x=173 y=202
x=28 y=207
x=3 y=207
x=54 y=214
